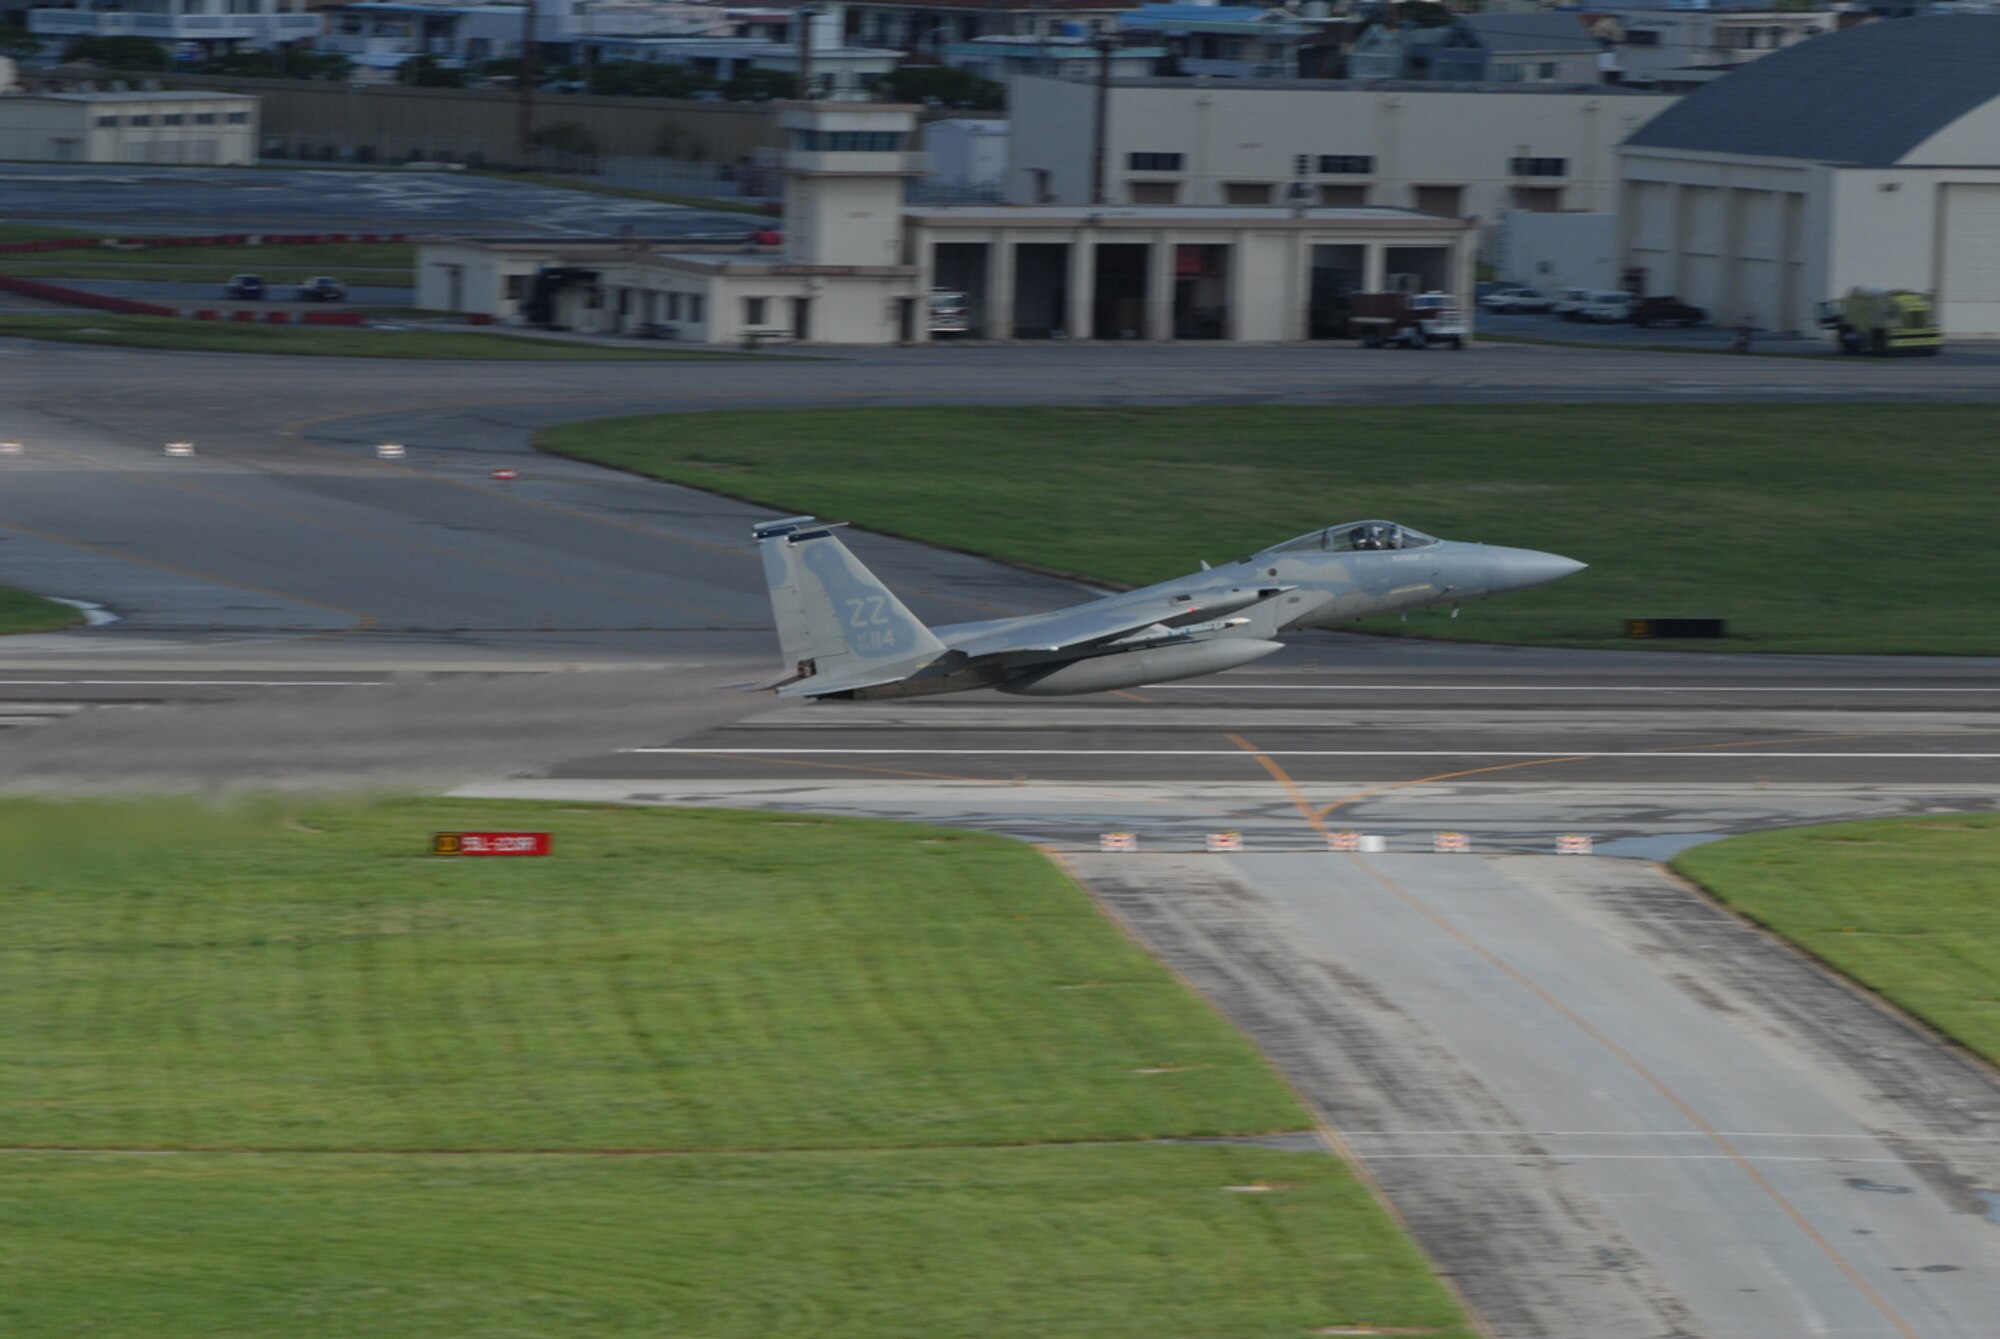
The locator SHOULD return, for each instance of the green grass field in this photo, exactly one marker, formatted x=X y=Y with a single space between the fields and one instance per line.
x=1910 y=908
x=22 y=612
x=1850 y=528
x=356 y=262
x=167 y=332
x=700 y=1074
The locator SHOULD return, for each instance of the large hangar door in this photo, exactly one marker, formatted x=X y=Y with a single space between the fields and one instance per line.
x=1969 y=282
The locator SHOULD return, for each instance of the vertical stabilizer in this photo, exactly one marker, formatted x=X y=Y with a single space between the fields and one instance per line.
x=837 y=623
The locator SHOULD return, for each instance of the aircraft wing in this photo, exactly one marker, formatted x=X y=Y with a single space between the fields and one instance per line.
x=1104 y=621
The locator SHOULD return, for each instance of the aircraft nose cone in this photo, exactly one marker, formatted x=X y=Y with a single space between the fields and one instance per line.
x=1518 y=569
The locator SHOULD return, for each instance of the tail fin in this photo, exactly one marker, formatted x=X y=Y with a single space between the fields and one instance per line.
x=837 y=623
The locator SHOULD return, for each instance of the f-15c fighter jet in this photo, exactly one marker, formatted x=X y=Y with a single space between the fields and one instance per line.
x=845 y=634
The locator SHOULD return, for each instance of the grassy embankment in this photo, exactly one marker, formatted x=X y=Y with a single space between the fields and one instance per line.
x=699 y=1074
x=168 y=332
x=356 y=262
x=1910 y=908
x=22 y=612
x=1849 y=528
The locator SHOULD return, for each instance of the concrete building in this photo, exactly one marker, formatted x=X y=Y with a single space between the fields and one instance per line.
x=1680 y=46
x=212 y=25
x=219 y=128
x=1223 y=41
x=1766 y=192
x=968 y=156
x=1455 y=150
x=858 y=265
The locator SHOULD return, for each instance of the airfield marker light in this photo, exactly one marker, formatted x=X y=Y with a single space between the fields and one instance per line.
x=506 y=476
x=389 y=451
x=180 y=448
x=10 y=448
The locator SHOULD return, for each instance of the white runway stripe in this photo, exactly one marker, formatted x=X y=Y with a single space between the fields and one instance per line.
x=1651 y=754
x=1521 y=688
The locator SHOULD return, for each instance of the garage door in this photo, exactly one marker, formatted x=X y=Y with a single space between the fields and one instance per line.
x=1969 y=287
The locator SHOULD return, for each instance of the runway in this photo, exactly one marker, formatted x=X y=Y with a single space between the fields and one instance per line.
x=1606 y=1107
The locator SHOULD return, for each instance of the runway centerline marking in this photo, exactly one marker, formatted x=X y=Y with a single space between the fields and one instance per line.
x=1727 y=1150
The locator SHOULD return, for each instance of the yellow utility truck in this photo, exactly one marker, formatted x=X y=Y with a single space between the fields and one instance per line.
x=1883 y=321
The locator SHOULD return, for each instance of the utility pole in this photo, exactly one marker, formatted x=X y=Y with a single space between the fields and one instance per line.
x=525 y=149
x=804 y=18
x=1104 y=43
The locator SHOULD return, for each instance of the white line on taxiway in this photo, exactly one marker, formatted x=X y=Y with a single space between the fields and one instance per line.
x=1519 y=688
x=1290 y=753
x=191 y=683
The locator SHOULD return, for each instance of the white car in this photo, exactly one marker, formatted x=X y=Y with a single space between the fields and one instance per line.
x=1568 y=300
x=1606 y=306
x=1503 y=299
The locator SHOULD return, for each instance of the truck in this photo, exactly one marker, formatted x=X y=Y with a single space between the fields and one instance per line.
x=1414 y=320
x=1886 y=322
x=949 y=314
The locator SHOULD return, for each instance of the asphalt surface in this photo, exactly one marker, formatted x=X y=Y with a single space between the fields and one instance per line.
x=140 y=199
x=1606 y=1107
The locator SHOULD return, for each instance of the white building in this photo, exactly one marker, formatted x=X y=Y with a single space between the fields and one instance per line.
x=176 y=127
x=1463 y=151
x=968 y=156
x=1685 y=45
x=214 y=25
x=1766 y=192
x=857 y=264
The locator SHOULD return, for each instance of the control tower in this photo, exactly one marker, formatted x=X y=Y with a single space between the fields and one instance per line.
x=845 y=164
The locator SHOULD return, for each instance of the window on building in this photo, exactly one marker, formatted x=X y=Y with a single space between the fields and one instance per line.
x=673 y=306
x=1154 y=192
x=1539 y=199
x=204 y=118
x=1506 y=74
x=1246 y=192
x=1343 y=197
x=1443 y=200
x=239 y=118
x=141 y=119
x=1642 y=37
x=848 y=141
x=753 y=310
x=1539 y=167
x=1153 y=162
x=1358 y=163
x=694 y=307
x=107 y=123
x=1545 y=72
x=515 y=287
x=171 y=119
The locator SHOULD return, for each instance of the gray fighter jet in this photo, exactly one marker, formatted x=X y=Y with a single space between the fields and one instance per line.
x=844 y=633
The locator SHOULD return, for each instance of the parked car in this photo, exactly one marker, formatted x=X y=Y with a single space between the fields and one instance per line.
x=322 y=288
x=1605 y=306
x=1527 y=300
x=247 y=286
x=1666 y=310
x=1502 y=299
x=1568 y=300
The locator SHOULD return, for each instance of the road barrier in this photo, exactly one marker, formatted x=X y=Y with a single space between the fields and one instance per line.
x=1573 y=843
x=1343 y=841
x=1117 y=841
x=1219 y=842
x=1450 y=843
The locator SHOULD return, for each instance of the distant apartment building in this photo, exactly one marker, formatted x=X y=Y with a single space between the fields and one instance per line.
x=205 y=25
x=1684 y=45
x=1457 y=150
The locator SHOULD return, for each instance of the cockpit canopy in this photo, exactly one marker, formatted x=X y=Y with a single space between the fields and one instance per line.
x=1357 y=537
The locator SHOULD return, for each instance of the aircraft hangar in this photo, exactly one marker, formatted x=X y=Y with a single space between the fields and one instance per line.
x=1860 y=159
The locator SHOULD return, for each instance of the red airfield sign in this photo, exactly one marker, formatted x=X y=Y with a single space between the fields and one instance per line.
x=490 y=843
